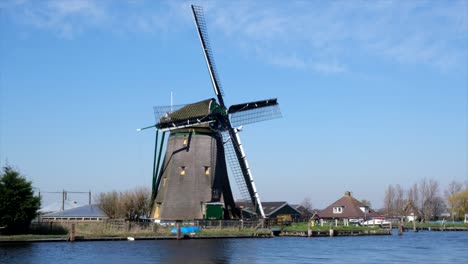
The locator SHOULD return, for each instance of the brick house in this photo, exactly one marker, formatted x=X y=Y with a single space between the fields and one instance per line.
x=347 y=209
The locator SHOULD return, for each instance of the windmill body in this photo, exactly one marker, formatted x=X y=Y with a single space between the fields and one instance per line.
x=194 y=170
x=193 y=173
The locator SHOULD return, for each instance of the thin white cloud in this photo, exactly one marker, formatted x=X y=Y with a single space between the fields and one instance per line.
x=324 y=37
x=427 y=33
x=66 y=18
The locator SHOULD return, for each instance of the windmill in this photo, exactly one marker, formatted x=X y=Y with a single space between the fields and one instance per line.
x=202 y=136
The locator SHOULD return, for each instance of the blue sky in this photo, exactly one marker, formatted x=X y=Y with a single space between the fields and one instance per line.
x=372 y=92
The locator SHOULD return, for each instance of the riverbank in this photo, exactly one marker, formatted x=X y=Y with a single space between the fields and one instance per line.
x=86 y=233
x=119 y=238
x=204 y=234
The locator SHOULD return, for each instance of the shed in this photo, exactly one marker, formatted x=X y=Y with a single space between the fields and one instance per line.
x=271 y=209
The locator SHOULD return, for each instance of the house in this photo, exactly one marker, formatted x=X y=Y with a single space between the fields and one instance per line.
x=411 y=212
x=271 y=209
x=86 y=213
x=346 y=209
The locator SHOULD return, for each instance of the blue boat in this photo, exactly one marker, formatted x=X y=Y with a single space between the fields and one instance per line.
x=186 y=229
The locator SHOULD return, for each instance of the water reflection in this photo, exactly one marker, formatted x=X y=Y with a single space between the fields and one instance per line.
x=212 y=251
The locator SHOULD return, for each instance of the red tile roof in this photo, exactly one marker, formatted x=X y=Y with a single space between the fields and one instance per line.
x=351 y=208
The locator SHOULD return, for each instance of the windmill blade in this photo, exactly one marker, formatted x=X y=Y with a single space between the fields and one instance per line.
x=247 y=113
x=182 y=124
x=203 y=34
x=252 y=105
x=240 y=160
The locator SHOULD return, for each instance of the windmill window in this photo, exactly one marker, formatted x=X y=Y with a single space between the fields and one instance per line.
x=185 y=140
x=182 y=170
x=164 y=181
x=207 y=170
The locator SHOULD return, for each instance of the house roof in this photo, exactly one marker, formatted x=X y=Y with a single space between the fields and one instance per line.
x=351 y=208
x=269 y=208
x=57 y=206
x=91 y=210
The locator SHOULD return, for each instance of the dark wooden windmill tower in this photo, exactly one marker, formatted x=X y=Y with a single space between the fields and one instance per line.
x=202 y=136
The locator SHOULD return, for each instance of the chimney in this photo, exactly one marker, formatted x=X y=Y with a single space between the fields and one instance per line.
x=347 y=193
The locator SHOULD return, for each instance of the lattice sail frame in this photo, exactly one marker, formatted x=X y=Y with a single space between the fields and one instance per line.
x=255 y=115
x=236 y=171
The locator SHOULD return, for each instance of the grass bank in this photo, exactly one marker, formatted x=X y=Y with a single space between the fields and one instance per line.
x=96 y=231
x=303 y=227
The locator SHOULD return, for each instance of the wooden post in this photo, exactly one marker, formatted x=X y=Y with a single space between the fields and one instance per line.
x=63 y=200
x=400 y=229
x=179 y=233
x=71 y=236
x=331 y=230
x=309 y=228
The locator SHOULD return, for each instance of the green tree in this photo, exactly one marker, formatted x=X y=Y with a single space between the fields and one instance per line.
x=459 y=204
x=18 y=205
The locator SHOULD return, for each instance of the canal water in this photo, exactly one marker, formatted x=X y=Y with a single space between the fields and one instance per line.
x=421 y=247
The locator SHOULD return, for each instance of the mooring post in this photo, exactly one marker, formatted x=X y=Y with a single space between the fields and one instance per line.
x=309 y=228
x=331 y=230
x=400 y=228
x=179 y=233
x=71 y=236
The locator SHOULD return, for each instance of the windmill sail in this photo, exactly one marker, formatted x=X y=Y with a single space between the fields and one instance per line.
x=254 y=112
x=236 y=170
x=203 y=34
x=193 y=172
x=243 y=166
x=225 y=121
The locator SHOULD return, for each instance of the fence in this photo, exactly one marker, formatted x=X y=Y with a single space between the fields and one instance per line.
x=121 y=226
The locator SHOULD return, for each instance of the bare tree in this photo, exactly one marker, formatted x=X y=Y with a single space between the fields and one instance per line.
x=400 y=201
x=429 y=196
x=413 y=196
x=394 y=201
x=453 y=188
x=108 y=202
x=307 y=208
x=389 y=200
x=130 y=205
x=366 y=203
